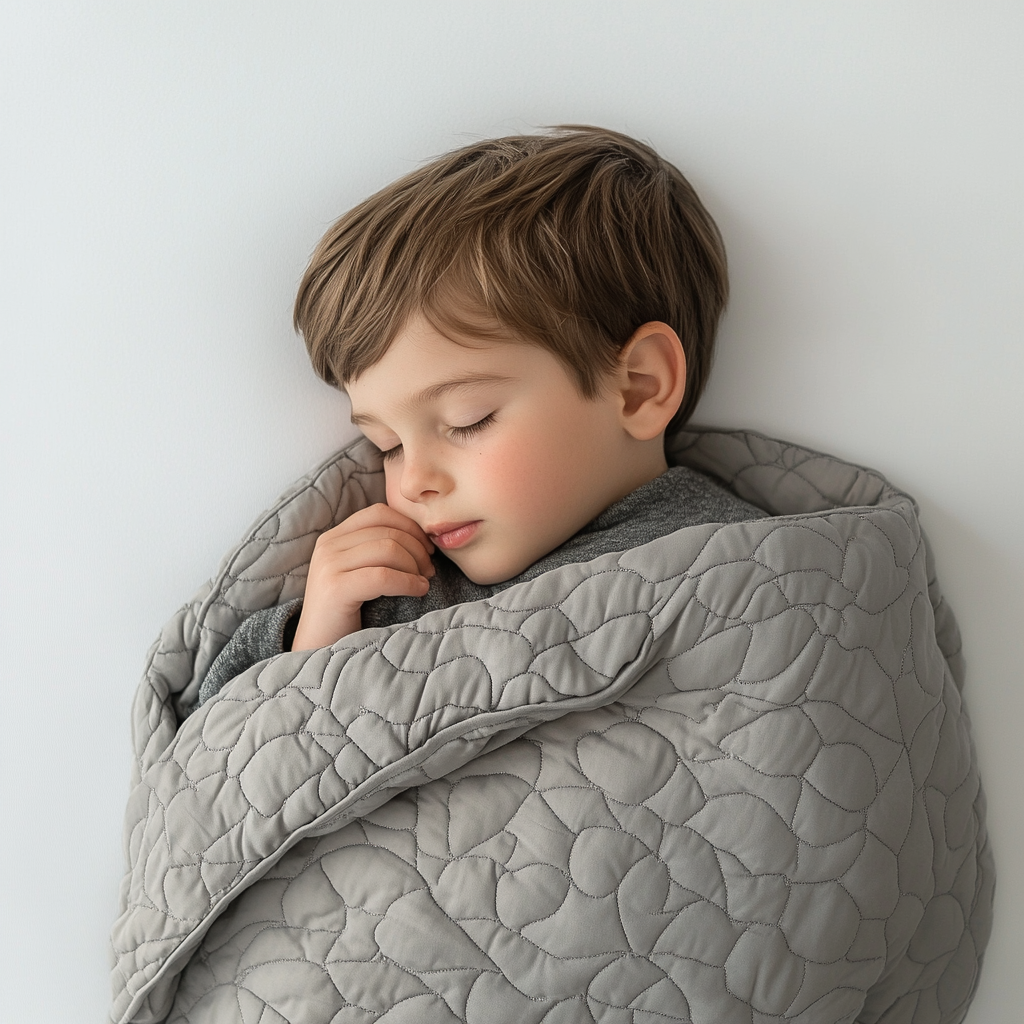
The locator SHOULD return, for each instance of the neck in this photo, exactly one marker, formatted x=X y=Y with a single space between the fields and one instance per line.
x=646 y=460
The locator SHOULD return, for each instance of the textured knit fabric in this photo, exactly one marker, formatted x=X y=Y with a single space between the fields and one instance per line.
x=678 y=498
x=262 y=635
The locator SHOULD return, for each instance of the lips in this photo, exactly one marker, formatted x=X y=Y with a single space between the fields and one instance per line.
x=453 y=535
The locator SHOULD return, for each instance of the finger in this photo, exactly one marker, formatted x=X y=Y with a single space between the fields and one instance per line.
x=384 y=515
x=381 y=581
x=384 y=552
x=379 y=538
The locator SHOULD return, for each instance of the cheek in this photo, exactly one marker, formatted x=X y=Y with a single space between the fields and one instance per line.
x=500 y=472
x=523 y=475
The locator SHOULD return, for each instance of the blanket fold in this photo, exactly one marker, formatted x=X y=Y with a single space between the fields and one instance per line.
x=725 y=775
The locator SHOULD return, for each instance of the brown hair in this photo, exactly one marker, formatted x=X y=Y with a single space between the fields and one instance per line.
x=570 y=239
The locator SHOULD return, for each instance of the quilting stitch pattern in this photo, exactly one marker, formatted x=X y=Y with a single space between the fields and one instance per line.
x=722 y=777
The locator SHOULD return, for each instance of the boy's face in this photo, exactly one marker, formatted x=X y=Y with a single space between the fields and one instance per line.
x=489 y=447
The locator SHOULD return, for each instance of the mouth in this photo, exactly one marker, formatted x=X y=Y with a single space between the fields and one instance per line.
x=448 y=536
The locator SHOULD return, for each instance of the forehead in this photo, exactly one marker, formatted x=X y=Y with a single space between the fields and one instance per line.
x=423 y=365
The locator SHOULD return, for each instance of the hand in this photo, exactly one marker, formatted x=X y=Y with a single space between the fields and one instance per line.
x=374 y=552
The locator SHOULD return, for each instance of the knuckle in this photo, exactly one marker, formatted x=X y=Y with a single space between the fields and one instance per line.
x=392 y=547
x=378 y=575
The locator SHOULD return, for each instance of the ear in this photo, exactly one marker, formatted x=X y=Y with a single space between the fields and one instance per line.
x=651 y=379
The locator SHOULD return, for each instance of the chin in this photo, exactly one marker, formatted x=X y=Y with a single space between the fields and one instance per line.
x=486 y=575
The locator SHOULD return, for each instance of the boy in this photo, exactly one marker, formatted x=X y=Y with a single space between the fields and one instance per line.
x=671 y=783
x=516 y=324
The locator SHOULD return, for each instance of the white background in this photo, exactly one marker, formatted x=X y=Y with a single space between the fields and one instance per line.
x=167 y=168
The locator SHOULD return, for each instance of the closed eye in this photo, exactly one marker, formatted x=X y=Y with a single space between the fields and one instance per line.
x=460 y=433
x=463 y=433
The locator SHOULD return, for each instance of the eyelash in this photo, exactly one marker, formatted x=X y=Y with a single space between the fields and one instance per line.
x=462 y=433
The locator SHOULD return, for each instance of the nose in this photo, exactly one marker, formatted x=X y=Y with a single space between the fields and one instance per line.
x=423 y=476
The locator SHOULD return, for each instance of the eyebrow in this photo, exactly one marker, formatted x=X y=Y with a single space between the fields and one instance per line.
x=441 y=388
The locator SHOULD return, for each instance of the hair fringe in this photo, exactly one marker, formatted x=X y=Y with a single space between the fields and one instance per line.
x=570 y=239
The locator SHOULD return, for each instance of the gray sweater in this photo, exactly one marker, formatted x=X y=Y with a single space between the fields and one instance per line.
x=678 y=498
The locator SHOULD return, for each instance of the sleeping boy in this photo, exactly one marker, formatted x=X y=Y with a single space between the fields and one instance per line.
x=508 y=812
x=517 y=324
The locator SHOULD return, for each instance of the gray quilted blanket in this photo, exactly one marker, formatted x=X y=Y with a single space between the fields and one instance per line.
x=725 y=776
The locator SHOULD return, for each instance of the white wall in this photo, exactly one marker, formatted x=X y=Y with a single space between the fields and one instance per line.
x=167 y=169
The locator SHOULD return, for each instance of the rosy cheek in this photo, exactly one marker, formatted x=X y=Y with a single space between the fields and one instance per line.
x=510 y=476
